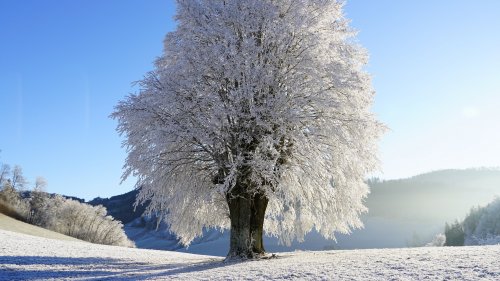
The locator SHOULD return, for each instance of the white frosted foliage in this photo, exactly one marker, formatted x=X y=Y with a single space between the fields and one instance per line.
x=274 y=87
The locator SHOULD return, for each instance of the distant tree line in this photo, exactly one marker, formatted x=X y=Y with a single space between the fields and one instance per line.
x=481 y=226
x=56 y=213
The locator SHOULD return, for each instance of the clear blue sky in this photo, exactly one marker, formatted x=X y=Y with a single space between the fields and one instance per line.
x=65 y=64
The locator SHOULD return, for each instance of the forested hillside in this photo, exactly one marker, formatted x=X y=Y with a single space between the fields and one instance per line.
x=121 y=207
x=441 y=195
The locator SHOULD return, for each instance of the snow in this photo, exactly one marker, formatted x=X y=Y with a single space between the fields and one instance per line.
x=8 y=223
x=25 y=257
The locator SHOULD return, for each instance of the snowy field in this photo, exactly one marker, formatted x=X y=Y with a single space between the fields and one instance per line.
x=26 y=257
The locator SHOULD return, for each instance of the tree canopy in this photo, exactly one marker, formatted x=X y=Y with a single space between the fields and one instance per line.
x=254 y=98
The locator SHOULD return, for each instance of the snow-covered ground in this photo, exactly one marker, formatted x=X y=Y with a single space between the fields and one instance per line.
x=8 y=223
x=26 y=257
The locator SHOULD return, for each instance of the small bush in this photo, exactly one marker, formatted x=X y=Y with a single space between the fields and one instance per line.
x=86 y=222
x=438 y=241
x=7 y=210
x=11 y=203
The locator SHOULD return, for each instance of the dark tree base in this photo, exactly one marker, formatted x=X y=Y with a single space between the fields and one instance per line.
x=264 y=256
x=247 y=212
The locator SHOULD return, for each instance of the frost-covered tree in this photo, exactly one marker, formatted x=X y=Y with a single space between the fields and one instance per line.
x=438 y=241
x=40 y=184
x=11 y=202
x=70 y=217
x=85 y=222
x=18 y=180
x=454 y=234
x=4 y=173
x=9 y=193
x=482 y=224
x=38 y=203
x=256 y=118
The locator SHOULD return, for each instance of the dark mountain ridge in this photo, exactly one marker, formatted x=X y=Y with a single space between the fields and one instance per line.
x=121 y=207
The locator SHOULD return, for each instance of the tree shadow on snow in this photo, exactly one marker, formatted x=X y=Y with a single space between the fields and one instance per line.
x=92 y=268
x=170 y=270
x=41 y=260
x=39 y=267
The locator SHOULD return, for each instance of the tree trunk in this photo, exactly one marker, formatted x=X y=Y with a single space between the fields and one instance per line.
x=246 y=211
x=257 y=222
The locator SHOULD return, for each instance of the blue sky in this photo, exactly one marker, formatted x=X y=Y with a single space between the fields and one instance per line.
x=64 y=65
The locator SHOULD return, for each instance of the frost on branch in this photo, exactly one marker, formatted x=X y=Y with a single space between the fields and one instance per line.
x=268 y=95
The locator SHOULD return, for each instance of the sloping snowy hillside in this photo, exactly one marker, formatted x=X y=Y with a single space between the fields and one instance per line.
x=25 y=257
x=8 y=223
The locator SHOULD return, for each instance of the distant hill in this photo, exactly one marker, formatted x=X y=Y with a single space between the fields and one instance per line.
x=121 y=207
x=409 y=212
x=27 y=194
x=403 y=212
x=442 y=195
